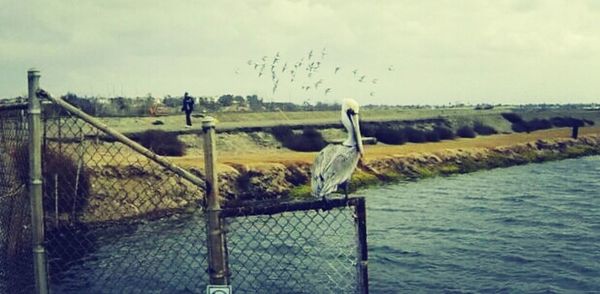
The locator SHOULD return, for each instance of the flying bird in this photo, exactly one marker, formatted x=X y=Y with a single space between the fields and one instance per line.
x=374 y=81
x=354 y=72
x=318 y=83
x=390 y=68
x=336 y=70
x=362 y=79
x=334 y=165
x=327 y=91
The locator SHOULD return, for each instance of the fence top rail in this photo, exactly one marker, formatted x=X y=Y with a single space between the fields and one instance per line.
x=275 y=208
x=123 y=139
x=13 y=106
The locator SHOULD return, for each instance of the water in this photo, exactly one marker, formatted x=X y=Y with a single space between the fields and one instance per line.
x=533 y=228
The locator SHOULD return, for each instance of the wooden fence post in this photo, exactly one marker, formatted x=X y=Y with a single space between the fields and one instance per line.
x=217 y=257
x=35 y=183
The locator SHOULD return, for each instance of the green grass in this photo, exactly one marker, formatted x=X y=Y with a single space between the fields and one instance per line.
x=300 y=192
x=244 y=119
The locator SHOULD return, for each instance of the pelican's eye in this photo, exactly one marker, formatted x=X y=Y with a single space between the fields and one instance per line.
x=350 y=111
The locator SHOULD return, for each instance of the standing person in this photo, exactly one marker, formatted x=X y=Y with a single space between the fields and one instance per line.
x=188 y=107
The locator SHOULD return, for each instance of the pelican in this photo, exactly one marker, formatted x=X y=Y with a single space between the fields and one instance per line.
x=334 y=165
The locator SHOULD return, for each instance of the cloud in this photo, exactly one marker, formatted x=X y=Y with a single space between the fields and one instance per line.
x=505 y=51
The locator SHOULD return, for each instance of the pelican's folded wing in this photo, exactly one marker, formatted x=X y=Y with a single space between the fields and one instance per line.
x=333 y=166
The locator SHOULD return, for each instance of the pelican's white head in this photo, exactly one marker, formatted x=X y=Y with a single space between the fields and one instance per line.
x=350 y=121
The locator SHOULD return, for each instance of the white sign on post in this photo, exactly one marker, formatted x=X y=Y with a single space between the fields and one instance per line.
x=218 y=289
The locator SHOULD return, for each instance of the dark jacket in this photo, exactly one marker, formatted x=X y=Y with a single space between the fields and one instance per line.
x=188 y=104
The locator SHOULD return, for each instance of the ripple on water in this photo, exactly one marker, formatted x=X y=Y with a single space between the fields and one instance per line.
x=532 y=228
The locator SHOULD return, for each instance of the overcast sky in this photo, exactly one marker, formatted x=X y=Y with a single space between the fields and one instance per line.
x=420 y=52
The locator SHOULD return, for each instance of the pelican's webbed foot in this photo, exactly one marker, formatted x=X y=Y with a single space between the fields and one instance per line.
x=326 y=204
x=345 y=186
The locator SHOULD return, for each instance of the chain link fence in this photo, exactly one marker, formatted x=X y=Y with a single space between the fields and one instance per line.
x=307 y=247
x=16 y=262
x=117 y=222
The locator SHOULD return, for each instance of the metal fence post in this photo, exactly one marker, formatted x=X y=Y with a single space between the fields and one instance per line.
x=361 y=228
x=35 y=183
x=217 y=257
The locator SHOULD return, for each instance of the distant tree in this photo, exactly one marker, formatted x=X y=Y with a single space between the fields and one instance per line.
x=239 y=100
x=207 y=104
x=171 y=101
x=121 y=103
x=254 y=102
x=85 y=104
x=225 y=100
x=306 y=106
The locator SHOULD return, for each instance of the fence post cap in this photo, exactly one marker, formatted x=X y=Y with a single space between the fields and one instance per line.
x=208 y=122
x=33 y=72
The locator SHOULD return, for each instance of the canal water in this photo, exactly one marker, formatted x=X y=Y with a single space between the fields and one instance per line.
x=532 y=228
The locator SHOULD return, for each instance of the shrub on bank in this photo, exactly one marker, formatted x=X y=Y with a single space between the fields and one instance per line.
x=484 y=130
x=414 y=136
x=567 y=122
x=66 y=184
x=162 y=143
x=520 y=127
x=512 y=117
x=281 y=132
x=444 y=133
x=539 y=124
x=309 y=141
x=368 y=129
x=432 y=136
x=389 y=135
x=466 y=132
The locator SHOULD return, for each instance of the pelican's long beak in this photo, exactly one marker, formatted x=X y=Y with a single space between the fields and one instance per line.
x=356 y=134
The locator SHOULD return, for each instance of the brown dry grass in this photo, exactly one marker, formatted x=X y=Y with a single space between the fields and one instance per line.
x=382 y=150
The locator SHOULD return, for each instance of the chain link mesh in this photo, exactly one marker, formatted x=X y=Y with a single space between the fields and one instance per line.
x=306 y=251
x=16 y=262
x=116 y=221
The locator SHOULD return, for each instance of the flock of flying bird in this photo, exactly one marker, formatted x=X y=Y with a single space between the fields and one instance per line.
x=334 y=165
x=306 y=73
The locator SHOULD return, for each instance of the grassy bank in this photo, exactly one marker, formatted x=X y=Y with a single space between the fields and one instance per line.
x=440 y=163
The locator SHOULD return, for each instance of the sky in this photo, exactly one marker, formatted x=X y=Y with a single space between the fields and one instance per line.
x=409 y=52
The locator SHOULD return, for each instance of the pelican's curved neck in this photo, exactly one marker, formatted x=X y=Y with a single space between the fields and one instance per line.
x=351 y=140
